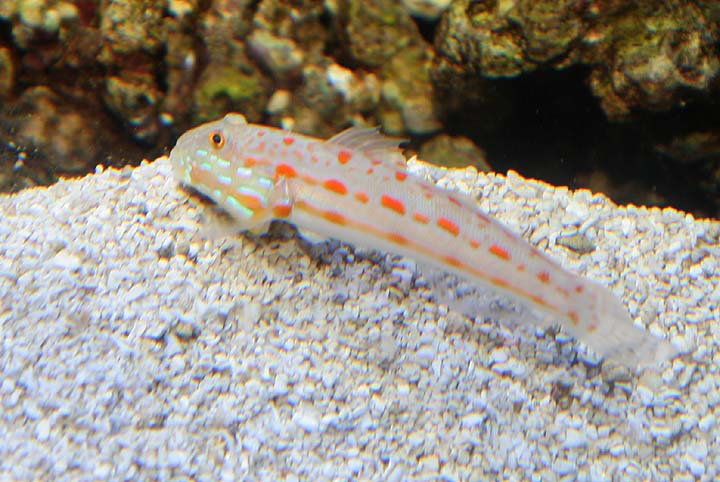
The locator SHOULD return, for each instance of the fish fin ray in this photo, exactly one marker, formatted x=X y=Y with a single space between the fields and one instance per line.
x=372 y=142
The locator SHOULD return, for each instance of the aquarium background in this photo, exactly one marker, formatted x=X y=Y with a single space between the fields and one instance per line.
x=617 y=96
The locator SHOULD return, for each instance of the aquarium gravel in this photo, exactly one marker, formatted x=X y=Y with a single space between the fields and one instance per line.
x=134 y=346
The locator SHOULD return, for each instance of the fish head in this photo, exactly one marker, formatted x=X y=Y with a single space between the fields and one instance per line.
x=206 y=148
x=207 y=159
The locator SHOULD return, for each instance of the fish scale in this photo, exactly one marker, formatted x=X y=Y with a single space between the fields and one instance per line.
x=355 y=187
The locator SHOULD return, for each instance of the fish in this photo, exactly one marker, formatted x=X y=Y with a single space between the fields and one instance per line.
x=356 y=187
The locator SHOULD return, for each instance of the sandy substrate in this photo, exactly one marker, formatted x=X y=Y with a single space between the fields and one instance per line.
x=131 y=348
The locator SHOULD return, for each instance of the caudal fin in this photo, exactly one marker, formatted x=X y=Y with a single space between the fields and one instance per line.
x=614 y=336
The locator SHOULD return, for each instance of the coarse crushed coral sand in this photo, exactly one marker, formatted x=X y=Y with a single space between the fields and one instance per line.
x=134 y=348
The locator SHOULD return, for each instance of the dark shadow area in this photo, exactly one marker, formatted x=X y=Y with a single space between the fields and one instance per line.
x=554 y=129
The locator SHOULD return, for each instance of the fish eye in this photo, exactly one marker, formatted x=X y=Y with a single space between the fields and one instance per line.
x=216 y=139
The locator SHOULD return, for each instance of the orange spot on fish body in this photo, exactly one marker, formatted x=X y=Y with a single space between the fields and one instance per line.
x=282 y=210
x=299 y=155
x=500 y=252
x=455 y=201
x=362 y=197
x=474 y=243
x=375 y=162
x=199 y=175
x=400 y=175
x=335 y=186
x=448 y=226
x=370 y=170
x=544 y=276
x=260 y=133
x=453 y=261
x=285 y=170
x=309 y=179
x=334 y=217
x=428 y=195
x=287 y=140
x=499 y=282
x=250 y=161
x=344 y=156
x=392 y=203
x=521 y=267
x=573 y=317
x=397 y=238
x=579 y=289
x=421 y=218
x=314 y=158
x=539 y=300
x=249 y=201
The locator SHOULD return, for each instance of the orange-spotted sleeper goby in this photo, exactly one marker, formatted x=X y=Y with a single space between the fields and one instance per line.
x=355 y=187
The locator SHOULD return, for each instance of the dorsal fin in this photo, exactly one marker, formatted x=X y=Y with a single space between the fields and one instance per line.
x=372 y=142
x=235 y=119
x=365 y=139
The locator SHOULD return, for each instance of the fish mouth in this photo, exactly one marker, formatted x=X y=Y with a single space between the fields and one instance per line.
x=180 y=166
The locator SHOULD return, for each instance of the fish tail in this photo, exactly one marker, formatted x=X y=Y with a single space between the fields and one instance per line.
x=610 y=332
